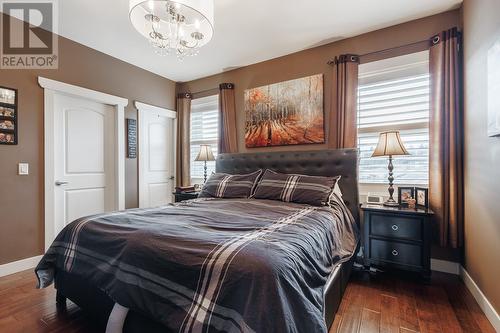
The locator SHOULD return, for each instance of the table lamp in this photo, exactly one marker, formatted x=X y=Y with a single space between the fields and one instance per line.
x=205 y=155
x=390 y=144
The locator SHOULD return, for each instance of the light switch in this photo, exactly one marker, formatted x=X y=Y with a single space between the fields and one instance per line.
x=23 y=169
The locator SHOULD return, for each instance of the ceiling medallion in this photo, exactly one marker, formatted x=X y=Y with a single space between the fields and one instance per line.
x=181 y=26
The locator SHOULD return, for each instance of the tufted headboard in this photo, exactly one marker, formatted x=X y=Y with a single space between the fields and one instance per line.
x=331 y=162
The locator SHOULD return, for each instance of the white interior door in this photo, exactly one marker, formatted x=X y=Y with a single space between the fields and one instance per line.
x=156 y=155
x=84 y=159
x=79 y=154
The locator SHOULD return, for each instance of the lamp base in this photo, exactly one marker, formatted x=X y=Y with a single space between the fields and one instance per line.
x=205 y=173
x=391 y=203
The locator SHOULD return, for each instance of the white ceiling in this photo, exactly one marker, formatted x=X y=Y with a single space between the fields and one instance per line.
x=246 y=31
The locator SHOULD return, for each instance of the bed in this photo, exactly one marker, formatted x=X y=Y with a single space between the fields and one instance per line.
x=137 y=266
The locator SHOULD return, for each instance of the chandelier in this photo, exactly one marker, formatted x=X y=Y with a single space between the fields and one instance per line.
x=181 y=26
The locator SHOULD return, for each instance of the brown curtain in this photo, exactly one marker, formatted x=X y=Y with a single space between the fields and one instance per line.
x=446 y=134
x=183 y=175
x=227 y=119
x=344 y=101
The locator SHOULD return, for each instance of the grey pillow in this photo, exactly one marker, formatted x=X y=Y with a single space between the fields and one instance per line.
x=312 y=190
x=223 y=185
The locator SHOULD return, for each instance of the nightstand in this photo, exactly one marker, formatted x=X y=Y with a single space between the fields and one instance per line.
x=181 y=196
x=396 y=237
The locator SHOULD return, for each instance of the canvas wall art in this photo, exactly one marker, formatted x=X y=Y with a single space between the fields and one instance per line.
x=494 y=89
x=285 y=113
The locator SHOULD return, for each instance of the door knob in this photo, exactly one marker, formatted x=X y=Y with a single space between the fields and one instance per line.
x=172 y=177
x=59 y=183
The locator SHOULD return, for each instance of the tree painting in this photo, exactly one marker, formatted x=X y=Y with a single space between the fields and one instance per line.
x=285 y=113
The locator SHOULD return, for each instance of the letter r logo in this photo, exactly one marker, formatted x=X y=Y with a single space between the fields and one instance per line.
x=27 y=28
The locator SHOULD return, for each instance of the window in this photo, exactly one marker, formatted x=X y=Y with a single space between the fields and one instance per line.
x=204 y=130
x=393 y=94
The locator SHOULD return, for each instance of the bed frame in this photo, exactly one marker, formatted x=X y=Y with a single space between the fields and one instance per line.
x=331 y=162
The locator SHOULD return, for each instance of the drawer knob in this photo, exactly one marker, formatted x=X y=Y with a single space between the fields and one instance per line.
x=395 y=253
x=394 y=227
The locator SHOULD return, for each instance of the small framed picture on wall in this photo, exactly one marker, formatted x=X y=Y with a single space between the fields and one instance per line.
x=7 y=112
x=422 y=197
x=493 y=87
x=131 y=138
x=8 y=96
x=8 y=116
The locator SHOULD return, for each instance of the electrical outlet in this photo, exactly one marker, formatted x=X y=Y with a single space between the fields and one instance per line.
x=23 y=169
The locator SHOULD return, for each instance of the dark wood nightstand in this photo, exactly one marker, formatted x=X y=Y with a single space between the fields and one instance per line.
x=181 y=196
x=398 y=238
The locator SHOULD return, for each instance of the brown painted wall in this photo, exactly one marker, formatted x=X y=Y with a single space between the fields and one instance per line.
x=21 y=221
x=482 y=154
x=21 y=197
x=314 y=61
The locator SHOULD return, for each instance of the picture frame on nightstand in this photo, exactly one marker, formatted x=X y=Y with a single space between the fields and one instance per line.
x=422 y=197
x=405 y=193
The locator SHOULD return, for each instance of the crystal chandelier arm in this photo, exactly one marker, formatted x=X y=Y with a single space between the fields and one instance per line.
x=185 y=44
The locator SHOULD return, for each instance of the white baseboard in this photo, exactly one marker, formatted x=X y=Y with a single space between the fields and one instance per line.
x=457 y=269
x=18 y=266
x=445 y=266
x=481 y=299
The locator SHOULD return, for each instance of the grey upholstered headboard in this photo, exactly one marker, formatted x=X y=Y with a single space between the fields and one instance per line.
x=331 y=162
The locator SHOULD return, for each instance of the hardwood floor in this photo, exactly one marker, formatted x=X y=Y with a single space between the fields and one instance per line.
x=384 y=303
x=393 y=303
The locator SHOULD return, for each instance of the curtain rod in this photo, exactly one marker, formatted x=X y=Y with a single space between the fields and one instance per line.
x=197 y=93
x=331 y=62
x=205 y=91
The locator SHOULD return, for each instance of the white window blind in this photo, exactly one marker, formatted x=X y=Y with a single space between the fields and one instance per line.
x=204 y=130
x=393 y=94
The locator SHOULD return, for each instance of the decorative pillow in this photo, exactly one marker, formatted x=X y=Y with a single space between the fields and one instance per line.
x=223 y=185
x=312 y=190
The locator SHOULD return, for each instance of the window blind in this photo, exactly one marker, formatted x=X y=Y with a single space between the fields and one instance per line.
x=394 y=95
x=204 y=130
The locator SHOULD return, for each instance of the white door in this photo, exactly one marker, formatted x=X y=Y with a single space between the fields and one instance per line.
x=156 y=155
x=84 y=159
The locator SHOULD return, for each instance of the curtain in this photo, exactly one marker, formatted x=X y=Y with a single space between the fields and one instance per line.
x=183 y=173
x=446 y=135
x=344 y=101
x=227 y=119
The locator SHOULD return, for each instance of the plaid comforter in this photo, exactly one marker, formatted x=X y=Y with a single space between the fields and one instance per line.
x=209 y=265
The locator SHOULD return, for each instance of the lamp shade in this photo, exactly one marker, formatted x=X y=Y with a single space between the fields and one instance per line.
x=390 y=144
x=205 y=154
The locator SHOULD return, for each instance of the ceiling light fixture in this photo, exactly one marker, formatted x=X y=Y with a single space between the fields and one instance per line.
x=181 y=26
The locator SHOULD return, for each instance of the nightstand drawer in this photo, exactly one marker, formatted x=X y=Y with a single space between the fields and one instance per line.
x=396 y=226
x=401 y=253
